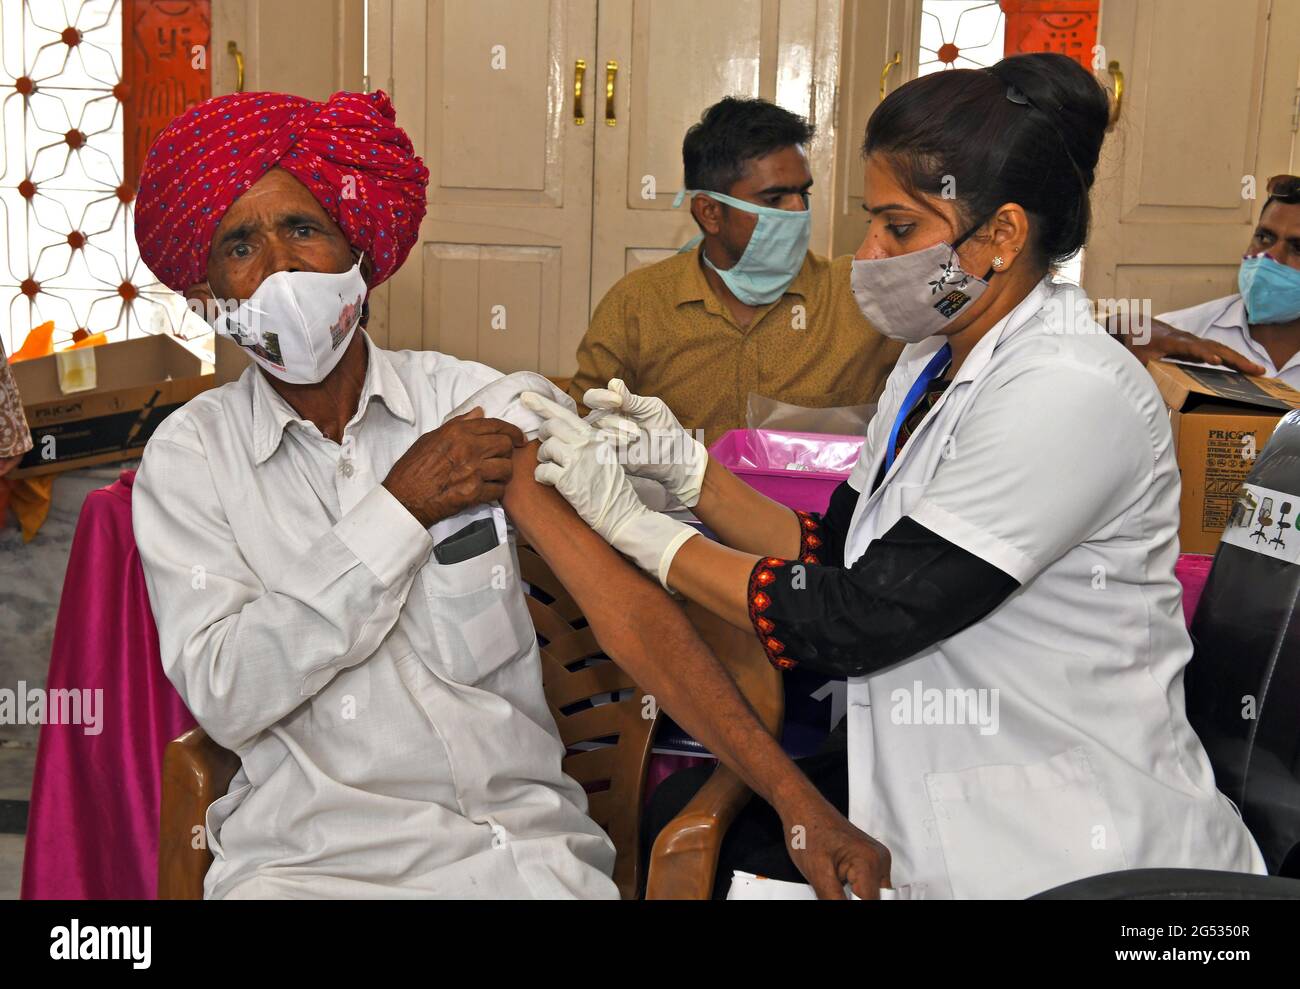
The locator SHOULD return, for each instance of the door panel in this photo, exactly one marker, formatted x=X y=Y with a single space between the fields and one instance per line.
x=485 y=89
x=508 y=294
x=873 y=31
x=486 y=104
x=1170 y=218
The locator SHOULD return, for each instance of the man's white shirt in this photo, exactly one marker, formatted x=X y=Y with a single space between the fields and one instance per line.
x=388 y=710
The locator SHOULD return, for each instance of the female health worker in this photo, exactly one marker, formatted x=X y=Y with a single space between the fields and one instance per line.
x=996 y=577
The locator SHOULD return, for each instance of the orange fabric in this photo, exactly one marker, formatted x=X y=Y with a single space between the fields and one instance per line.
x=93 y=340
x=29 y=499
x=39 y=343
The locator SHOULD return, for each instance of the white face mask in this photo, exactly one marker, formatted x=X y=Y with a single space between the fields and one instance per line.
x=914 y=296
x=298 y=323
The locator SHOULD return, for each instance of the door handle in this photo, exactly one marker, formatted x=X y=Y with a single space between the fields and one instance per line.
x=1118 y=75
x=579 y=73
x=884 y=73
x=233 y=49
x=611 y=76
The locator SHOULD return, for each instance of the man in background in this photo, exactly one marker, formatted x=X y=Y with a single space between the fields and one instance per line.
x=1261 y=321
x=749 y=308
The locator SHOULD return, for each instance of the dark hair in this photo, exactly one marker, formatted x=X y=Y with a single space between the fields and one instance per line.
x=732 y=133
x=1027 y=130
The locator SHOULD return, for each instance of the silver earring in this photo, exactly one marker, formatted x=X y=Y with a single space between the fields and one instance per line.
x=998 y=263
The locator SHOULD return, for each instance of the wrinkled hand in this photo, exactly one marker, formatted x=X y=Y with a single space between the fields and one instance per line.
x=831 y=852
x=581 y=463
x=1169 y=342
x=464 y=462
x=654 y=444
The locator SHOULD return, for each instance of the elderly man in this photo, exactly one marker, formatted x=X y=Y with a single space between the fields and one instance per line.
x=326 y=549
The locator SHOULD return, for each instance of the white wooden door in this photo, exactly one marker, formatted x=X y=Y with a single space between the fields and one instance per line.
x=1208 y=106
x=485 y=88
x=880 y=51
x=675 y=58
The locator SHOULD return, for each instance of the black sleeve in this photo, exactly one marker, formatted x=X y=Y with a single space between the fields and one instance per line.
x=822 y=535
x=909 y=590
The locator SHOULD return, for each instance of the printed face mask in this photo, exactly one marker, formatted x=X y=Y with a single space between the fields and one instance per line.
x=298 y=323
x=914 y=296
x=1270 y=289
x=774 y=255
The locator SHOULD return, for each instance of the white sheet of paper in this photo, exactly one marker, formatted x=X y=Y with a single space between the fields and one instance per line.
x=747 y=886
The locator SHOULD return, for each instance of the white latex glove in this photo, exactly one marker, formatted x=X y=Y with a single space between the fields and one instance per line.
x=656 y=445
x=581 y=463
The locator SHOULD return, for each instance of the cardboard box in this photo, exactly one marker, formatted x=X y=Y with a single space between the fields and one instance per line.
x=1221 y=421
x=138 y=383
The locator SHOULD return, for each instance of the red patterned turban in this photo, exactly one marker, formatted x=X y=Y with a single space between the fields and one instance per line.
x=347 y=151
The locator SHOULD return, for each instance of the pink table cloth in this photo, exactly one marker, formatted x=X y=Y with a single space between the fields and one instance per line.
x=92 y=830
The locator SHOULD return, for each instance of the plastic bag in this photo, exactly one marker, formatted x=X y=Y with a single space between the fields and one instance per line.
x=762 y=412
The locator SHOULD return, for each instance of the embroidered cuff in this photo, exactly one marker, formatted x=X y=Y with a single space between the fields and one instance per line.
x=810 y=539
x=760 y=579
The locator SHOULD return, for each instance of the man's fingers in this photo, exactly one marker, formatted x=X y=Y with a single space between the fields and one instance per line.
x=1238 y=362
x=496 y=469
x=864 y=882
x=482 y=427
x=825 y=883
x=474 y=413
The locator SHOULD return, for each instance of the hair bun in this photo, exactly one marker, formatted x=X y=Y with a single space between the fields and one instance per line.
x=1066 y=92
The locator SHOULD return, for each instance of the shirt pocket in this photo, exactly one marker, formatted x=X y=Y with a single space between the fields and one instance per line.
x=478 y=616
x=1010 y=831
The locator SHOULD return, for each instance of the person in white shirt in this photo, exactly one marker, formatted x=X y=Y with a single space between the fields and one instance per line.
x=996 y=577
x=1261 y=321
x=328 y=548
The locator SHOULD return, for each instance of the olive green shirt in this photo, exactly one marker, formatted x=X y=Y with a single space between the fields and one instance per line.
x=665 y=333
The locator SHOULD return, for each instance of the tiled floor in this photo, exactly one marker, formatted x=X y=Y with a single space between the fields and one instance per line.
x=11 y=865
x=16 y=762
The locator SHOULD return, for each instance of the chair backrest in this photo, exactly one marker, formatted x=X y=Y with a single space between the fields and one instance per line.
x=606 y=723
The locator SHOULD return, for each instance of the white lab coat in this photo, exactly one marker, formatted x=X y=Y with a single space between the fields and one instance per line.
x=1224 y=321
x=1048 y=741
x=388 y=709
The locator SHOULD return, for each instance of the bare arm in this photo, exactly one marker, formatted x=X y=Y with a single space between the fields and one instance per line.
x=650 y=637
x=640 y=627
x=744 y=519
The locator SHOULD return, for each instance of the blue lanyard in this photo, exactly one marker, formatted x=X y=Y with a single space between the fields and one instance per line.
x=938 y=363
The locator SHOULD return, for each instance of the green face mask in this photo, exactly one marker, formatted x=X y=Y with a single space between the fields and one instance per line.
x=774 y=255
